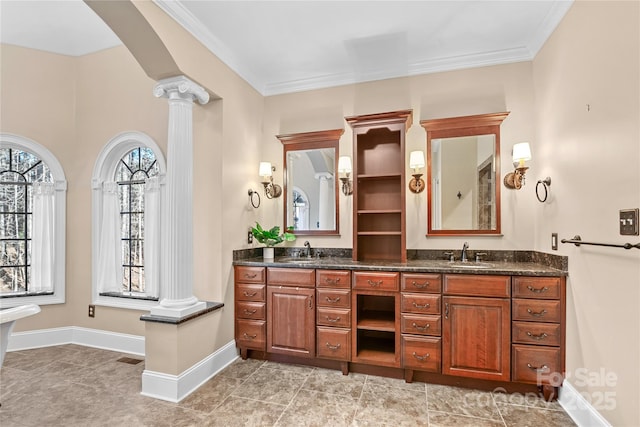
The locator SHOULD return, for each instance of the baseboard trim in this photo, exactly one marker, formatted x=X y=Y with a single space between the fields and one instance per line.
x=578 y=408
x=125 y=343
x=174 y=388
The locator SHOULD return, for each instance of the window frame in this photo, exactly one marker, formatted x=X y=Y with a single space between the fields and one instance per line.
x=17 y=142
x=103 y=171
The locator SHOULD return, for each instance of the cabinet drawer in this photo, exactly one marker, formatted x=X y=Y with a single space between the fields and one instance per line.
x=303 y=277
x=333 y=343
x=431 y=283
x=421 y=325
x=251 y=334
x=245 y=292
x=333 y=279
x=477 y=285
x=536 y=310
x=420 y=303
x=536 y=365
x=536 y=287
x=421 y=353
x=376 y=281
x=336 y=298
x=249 y=274
x=536 y=333
x=333 y=317
x=250 y=310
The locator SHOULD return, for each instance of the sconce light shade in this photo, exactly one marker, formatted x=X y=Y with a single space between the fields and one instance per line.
x=344 y=164
x=416 y=162
x=271 y=190
x=344 y=167
x=265 y=169
x=521 y=152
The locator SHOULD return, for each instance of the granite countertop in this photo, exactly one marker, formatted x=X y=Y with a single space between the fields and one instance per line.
x=512 y=268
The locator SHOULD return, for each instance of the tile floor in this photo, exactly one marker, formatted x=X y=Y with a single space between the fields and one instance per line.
x=71 y=385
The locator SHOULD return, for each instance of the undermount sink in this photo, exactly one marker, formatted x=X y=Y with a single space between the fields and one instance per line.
x=295 y=260
x=470 y=265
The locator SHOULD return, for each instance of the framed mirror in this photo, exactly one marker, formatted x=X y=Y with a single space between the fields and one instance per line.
x=311 y=202
x=463 y=175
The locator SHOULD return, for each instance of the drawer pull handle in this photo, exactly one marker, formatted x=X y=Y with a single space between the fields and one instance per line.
x=249 y=312
x=416 y=305
x=249 y=294
x=540 y=369
x=537 y=290
x=249 y=337
x=329 y=319
x=446 y=310
x=333 y=301
x=331 y=281
x=537 y=337
x=421 y=328
x=375 y=283
x=420 y=285
x=333 y=347
x=251 y=276
x=538 y=314
x=421 y=358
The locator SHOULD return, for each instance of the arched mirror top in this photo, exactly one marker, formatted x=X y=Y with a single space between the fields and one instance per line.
x=463 y=174
x=311 y=203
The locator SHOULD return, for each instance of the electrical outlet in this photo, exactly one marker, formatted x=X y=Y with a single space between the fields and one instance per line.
x=92 y=310
x=629 y=222
x=554 y=241
x=249 y=237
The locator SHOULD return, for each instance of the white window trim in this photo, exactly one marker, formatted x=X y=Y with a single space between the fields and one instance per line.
x=8 y=140
x=104 y=170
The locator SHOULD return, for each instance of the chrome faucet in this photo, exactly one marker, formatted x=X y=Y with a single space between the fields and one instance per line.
x=308 y=246
x=463 y=255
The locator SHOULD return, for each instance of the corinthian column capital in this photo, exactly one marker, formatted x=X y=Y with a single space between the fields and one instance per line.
x=181 y=87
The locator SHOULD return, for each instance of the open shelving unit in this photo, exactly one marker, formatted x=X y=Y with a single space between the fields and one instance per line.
x=376 y=323
x=379 y=231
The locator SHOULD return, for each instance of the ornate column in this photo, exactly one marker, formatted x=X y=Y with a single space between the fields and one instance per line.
x=177 y=219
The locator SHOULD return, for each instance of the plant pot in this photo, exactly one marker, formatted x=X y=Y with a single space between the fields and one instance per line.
x=267 y=253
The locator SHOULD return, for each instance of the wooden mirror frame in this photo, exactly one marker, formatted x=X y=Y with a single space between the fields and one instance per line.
x=311 y=141
x=481 y=124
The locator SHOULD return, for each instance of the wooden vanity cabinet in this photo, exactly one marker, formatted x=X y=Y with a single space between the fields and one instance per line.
x=538 y=331
x=333 y=316
x=421 y=323
x=291 y=309
x=250 y=309
x=376 y=318
x=476 y=326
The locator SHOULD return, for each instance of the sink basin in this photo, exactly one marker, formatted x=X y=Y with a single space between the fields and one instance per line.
x=471 y=265
x=295 y=260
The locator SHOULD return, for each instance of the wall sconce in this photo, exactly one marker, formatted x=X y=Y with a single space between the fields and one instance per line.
x=344 y=167
x=271 y=190
x=416 y=162
x=521 y=153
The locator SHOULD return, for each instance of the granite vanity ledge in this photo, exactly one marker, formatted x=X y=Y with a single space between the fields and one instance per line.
x=514 y=263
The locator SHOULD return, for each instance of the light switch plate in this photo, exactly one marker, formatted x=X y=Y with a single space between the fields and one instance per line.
x=554 y=241
x=629 y=222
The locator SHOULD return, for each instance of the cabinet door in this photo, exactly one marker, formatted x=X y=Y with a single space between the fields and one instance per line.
x=476 y=337
x=291 y=321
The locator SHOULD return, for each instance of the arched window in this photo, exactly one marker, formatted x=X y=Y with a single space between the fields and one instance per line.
x=126 y=222
x=32 y=218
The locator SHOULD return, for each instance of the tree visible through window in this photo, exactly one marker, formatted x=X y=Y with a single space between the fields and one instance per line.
x=19 y=170
x=132 y=172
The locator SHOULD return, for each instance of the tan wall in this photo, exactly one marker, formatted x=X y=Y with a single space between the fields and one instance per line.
x=592 y=155
x=459 y=93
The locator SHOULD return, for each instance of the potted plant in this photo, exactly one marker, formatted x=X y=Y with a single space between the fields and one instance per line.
x=271 y=237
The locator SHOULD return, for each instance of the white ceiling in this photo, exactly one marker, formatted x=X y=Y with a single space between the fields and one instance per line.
x=289 y=46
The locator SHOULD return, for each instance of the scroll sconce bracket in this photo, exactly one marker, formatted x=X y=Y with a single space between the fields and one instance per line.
x=515 y=180
x=416 y=185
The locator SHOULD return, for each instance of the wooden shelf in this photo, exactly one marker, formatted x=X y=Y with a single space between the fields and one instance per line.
x=379 y=211
x=373 y=177
x=379 y=233
x=378 y=321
